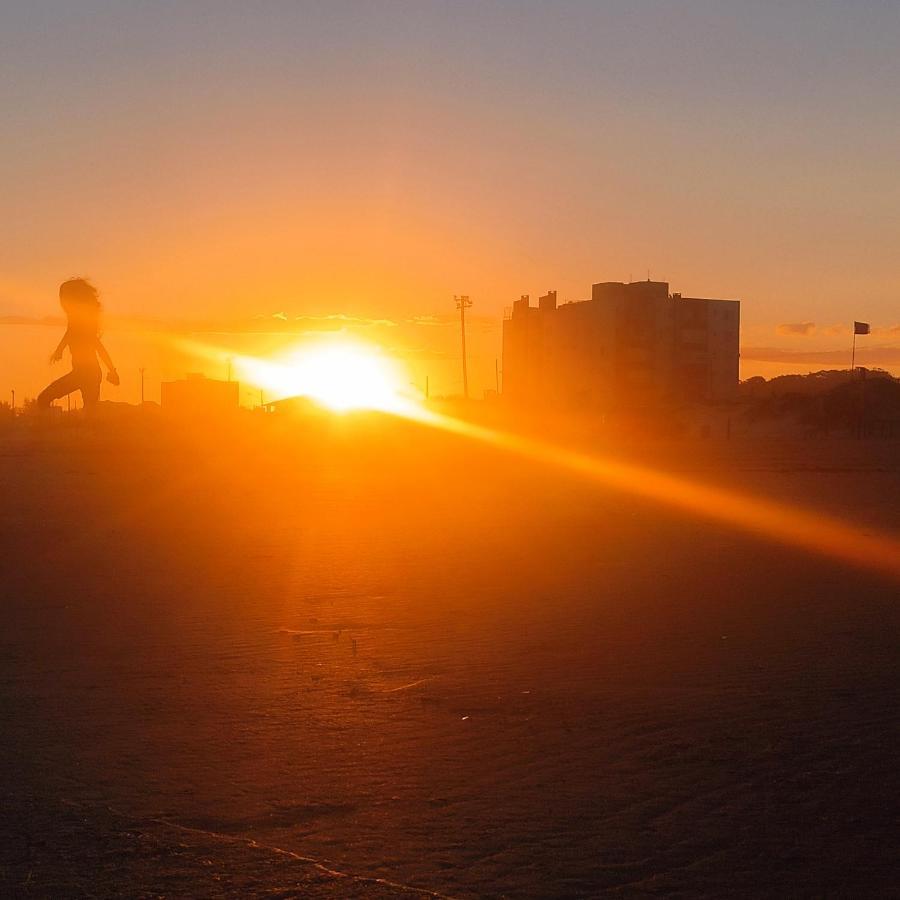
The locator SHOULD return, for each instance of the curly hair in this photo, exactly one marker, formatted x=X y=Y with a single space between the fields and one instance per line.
x=81 y=302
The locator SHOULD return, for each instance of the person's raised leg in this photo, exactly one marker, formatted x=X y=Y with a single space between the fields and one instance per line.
x=59 y=388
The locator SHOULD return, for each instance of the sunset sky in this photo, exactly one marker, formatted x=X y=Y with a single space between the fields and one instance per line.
x=216 y=162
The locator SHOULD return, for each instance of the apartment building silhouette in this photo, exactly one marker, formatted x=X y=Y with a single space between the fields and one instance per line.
x=630 y=342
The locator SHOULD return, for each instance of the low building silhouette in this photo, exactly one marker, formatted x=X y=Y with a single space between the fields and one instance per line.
x=298 y=405
x=198 y=395
x=633 y=341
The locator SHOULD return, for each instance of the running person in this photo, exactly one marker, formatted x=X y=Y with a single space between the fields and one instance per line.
x=78 y=299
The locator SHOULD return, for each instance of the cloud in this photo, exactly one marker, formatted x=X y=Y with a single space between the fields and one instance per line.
x=797 y=328
x=887 y=356
x=273 y=323
x=30 y=320
x=340 y=320
x=421 y=353
x=452 y=319
x=279 y=320
x=890 y=331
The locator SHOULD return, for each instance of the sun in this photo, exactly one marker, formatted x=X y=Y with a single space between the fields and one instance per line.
x=341 y=376
x=344 y=377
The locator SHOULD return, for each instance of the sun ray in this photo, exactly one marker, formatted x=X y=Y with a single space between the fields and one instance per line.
x=351 y=376
x=341 y=375
x=784 y=523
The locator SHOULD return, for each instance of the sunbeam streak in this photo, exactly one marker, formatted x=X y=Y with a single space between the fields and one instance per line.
x=356 y=382
x=780 y=522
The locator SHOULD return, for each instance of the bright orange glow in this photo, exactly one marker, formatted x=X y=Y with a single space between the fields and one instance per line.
x=341 y=376
x=786 y=524
x=349 y=376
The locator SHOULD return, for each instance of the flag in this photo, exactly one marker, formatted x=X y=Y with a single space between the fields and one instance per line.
x=861 y=328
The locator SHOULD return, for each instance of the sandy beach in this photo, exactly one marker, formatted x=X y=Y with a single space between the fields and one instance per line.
x=403 y=656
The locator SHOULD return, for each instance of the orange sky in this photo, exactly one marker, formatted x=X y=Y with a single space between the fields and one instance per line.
x=221 y=162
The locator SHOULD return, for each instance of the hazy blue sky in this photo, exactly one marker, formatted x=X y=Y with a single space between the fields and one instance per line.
x=214 y=158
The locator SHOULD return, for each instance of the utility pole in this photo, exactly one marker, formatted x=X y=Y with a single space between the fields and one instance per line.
x=13 y=393
x=142 y=386
x=462 y=304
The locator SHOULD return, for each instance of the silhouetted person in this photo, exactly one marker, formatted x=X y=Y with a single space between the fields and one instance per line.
x=79 y=301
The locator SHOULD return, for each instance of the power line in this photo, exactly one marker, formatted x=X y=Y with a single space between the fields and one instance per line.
x=462 y=304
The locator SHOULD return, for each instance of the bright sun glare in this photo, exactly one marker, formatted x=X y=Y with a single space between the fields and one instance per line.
x=346 y=376
x=341 y=377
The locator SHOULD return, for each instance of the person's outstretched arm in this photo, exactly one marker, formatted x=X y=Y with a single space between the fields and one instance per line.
x=56 y=356
x=112 y=376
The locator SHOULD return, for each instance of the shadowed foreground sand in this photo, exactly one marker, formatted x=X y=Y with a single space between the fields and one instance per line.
x=413 y=659
x=64 y=849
